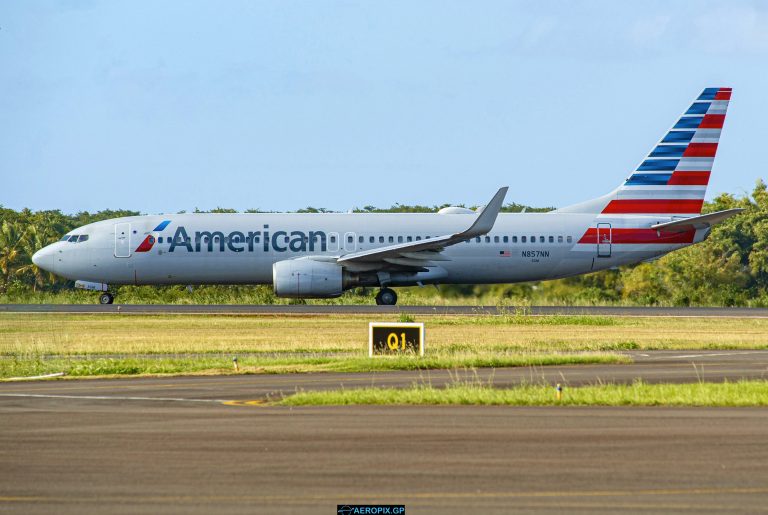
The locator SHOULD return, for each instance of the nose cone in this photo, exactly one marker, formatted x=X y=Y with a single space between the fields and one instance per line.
x=43 y=258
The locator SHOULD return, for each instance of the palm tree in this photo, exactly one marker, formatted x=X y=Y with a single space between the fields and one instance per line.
x=33 y=240
x=11 y=234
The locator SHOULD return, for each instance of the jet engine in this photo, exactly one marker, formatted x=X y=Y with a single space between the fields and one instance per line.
x=302 y=278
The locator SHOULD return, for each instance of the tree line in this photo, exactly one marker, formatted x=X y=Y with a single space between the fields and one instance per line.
x=729 y=269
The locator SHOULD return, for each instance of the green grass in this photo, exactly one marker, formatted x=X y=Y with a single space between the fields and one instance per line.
x=522 y=318
x=742 y=393
x=31 y=364
x=107 y=334
x=109 y=344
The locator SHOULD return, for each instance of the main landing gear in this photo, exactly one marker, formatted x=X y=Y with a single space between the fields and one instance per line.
x=386 y=297
x=106 y=298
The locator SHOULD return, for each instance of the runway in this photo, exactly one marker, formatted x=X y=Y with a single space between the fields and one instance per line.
x=309 y=309
x=208 y=444
x=105 y=457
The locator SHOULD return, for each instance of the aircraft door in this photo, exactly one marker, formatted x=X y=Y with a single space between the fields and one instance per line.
x=123 y=240
x=604 y=240
x=350 y=242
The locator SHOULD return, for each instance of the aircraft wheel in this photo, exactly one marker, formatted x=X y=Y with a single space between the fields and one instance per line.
x=386 y=297
x=106 y=298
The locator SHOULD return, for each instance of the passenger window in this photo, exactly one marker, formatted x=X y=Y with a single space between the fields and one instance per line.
x=371 y=239
x=399 y=239
x=551 y=239
x=559 y=239
x=514 y=239
x=523 y=239
x=409 y=238
x=477 y=239
x=533 y=239
x=418 y=238
x=83 y=237
x=381 y=239
x=495 y=239
x=256 y=239
x=570 y=240
x=333 y=239
x=160 y=239
x=361 y=239
x=487 y=239
x=541 y=239
x=350 y=239
x=506 y=239
x=391 y=239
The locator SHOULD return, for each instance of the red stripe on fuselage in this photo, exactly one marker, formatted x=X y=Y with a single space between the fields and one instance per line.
x=712 y=121
x=683 y=178
x=634 y=206
x=701 y=150
x=639 y=236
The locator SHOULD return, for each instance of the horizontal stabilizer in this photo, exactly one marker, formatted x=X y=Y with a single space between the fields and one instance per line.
x=697 y=222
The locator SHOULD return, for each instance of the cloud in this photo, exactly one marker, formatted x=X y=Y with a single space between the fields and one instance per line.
x=649 y=32
x=538 y=31
x=732 y=29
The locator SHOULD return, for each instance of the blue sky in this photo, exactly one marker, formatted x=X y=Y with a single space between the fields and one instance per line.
x=172 y=105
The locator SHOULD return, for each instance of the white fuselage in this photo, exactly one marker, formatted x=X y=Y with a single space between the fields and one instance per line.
x=242 y=248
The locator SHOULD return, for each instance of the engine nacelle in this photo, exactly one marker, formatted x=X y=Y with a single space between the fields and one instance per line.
x=303 y=278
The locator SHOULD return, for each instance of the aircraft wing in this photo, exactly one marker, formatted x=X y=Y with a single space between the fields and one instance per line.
x=697 y=222
x=418 y=253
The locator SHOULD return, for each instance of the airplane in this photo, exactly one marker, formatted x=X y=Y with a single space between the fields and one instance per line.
x=656 y=210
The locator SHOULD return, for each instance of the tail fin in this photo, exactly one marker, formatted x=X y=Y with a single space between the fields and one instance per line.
x=673 y=177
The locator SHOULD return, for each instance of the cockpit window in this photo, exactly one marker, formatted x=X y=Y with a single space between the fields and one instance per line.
x=74 y=238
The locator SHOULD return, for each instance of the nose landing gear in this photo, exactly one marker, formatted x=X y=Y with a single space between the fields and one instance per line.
x=386 y=297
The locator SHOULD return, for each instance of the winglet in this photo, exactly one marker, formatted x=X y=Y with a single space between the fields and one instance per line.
x=487 y=216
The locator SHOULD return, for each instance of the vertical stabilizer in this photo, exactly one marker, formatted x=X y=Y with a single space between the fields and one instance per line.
x=673 y=177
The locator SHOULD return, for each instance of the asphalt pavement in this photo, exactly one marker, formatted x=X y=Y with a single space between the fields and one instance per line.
x=309 y=309
x=209 y=444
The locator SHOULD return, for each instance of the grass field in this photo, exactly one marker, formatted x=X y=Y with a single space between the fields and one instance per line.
x=742 y=393
x=103 y=344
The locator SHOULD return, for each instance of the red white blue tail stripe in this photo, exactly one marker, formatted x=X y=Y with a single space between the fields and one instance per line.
x=673 y=178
